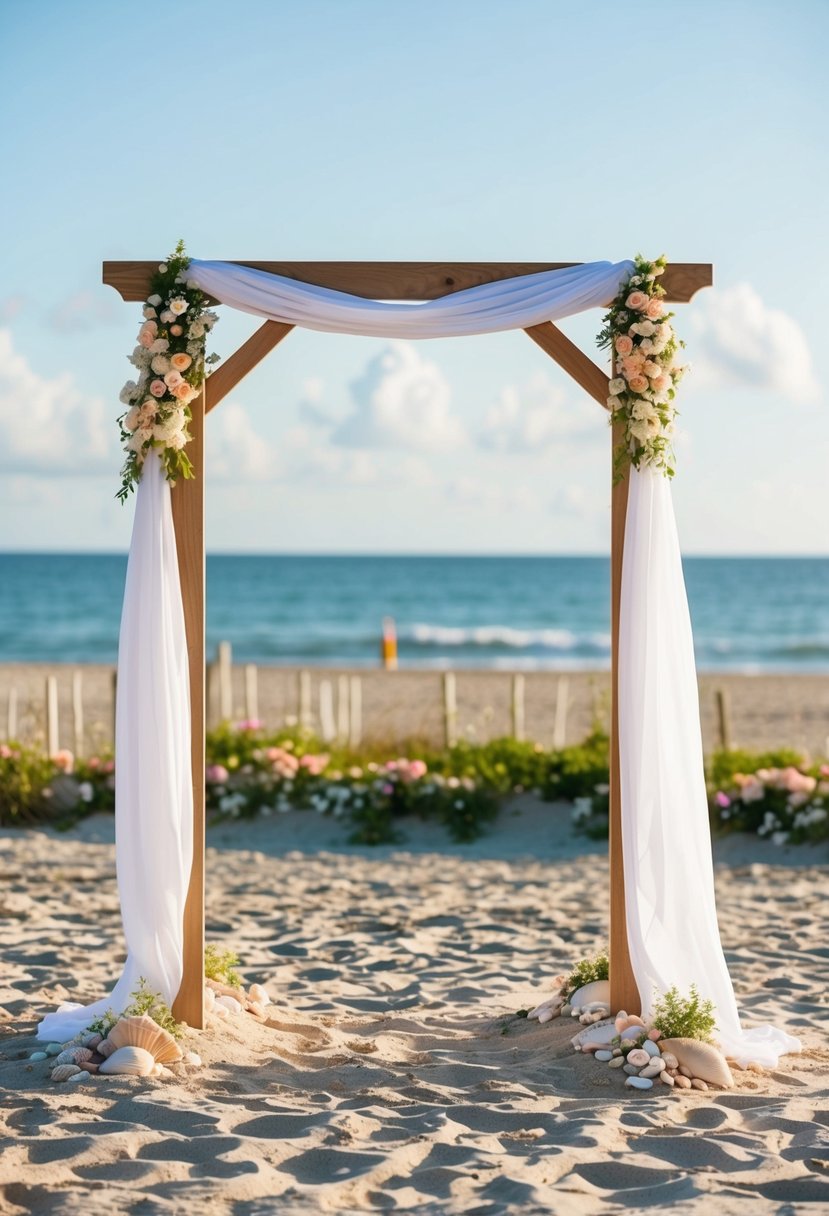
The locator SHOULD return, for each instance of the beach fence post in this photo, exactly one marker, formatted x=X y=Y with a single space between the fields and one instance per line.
x=251 y=693
x=304 y=714
x=518 y=706
x=77 y=712
x=328 y=727
x=450 y=709
x=343 y=709
x=724 y=719
x=225 y=661
x=356 y=719
x=560 y=720
x=52 y=731
x=11 y=714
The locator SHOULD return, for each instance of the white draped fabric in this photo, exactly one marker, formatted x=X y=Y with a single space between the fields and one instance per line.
x=671 y=915
x=672 y=926
x=153 y=785
x=508 y=304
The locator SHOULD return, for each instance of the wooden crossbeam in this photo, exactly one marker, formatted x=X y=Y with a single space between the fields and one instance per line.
x=244 y=360
x=574 y=361
x=404 y=280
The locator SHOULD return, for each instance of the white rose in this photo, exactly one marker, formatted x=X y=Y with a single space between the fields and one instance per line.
x=646 y=328
x=139 y=438
x=131 y=418
x=196 y=330
x=167 y=317
x=636 y=280
x=646 y=346
x=643 y=410
x=178 y=306
x=172 y=379
x=169 y=427
x=149 y=313
x=617 y=386
x=128 y=392
x=154 y=300
x=614 y=404
x=177 y=441
x=162 y=266
x=160 y=365
x=159 y=346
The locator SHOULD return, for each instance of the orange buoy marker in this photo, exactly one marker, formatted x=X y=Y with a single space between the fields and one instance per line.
x=389 y=646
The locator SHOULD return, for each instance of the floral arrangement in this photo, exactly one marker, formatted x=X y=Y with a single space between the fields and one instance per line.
x=171 y=364
x=784 y=804
x=646 y=369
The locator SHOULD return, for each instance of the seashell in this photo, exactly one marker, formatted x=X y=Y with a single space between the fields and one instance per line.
x=639 y=1083
x=600 y=1033
x=259 y=994
x=597 y=992
x=226 y=990
x=638 y=1057
x=105 y=1048
x=754 y=1067
x=74 y=1055
x=258 y=1010
x=702 y=1060
x=64 y=1071
x=604 y=1056
x=144 y=1032
x=650 y=1047
x=209 y=998
x=698 y=1083
x=666 y=1078
x=681 y=1081
x=220 y=1011
x=129 y=1061
x=230 y=1003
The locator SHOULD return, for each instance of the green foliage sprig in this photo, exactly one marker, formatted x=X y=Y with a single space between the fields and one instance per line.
x=684 y=1017
x=587 y=971
x=219 y=965
x=143 y=1001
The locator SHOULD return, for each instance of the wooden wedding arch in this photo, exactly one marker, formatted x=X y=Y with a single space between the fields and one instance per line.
x=377 y=281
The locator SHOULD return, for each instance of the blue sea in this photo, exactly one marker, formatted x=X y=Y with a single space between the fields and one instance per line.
x=526 y=613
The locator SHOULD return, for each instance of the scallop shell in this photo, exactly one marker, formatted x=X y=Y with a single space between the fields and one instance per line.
x=701 y=1059
x=105 y=1048
x=600 y=1033
x=64 y=1071
x=257 y=993
x=596 y=992
x=230 y=1003
x=74 y=1055
x=144 y=1032
x=130 y=1060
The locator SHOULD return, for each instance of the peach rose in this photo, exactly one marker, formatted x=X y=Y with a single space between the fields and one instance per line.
x=637 y=301
x=180 y=362
x=172 y=379
x=651 y=369
x=662 y=383
x=624 y=345
x=638 y=384
x=654 y=309
x=632 y=366
x=176 y=331
x=184 y=392
x=131 y=419
x=158 y=388
x=147 y=334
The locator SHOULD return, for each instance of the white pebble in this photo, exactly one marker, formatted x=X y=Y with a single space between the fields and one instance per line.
x=638 y=1057
x=604 y=1056
x=546 y=1015
x=191 y=1057
x=653 y=1069
x=666 y=1078
x=79 y=1076
x=230 y=1004
x=39 y=1055
x=670 y=1059
x=639 y=1083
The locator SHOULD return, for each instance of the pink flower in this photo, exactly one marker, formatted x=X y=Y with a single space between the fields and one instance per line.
x=64 y=760
x=216 y=774
x=249 y=724
x=172 y=379
x=176 y=331
x=722 y=800
x=314 y=764
x=662 y=382
x=651 y=369
x=147 y=334
x=654 y=309
x=637 y=301
x=167 y=316
x=387 y=789
x=623 y=344
x=158 y=388
x=638 y=384
x=5 y=752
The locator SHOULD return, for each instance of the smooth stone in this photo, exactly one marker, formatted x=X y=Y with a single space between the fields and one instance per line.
x=686 y=1072
x=638 y=1057
x=39 y=1055
x=670 y=1059
x=639 y=1083
x=546 y=1015
x=631 y=1070
x=666 y=1078
x=629 y=1042
x=616 y=1062
x=566 y=1009
x=654 y=1035
x=698 y=1083
x=653 y=1069
x=617 y=1051
x=682 y=1082
x=604 y=1056
x=53 y=1049
x=79 y=1077
x=650 y=1047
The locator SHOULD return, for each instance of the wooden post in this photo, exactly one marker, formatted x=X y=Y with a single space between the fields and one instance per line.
x=518 y=706
x=562 y=704
x=624 y=993
x=11 y=714
x=328 y=727
x=52 y=734
x=305 y=700
x=450 y=709
x=77 y=712
x=225 y=660
x=724 y=719
x=188 y=518
x=356 y=720
x=343 y=709
x=251 y=693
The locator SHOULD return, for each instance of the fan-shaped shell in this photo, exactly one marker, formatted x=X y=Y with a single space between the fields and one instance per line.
x=598 y=992
x=144 y=1032
x=131 y=1061
x=74 y=1055
x=599 y=1033
x=701 y=1059
x=64 y=1071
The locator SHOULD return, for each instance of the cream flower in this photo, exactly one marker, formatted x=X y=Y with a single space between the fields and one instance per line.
x=180 y=362
x=172 y=379
x=128 y=392
x=139 y=438
x=623 y=344
x=159 y=346
x=184 y=392
x=617 y=386
x=637 y=301
x=614 y=404
x=177 y=441
x=154 y=300
x=131 y=418
x=160 y=365
x=638 y=384
x=178 y=306
x=166 y=317
x=196 y=330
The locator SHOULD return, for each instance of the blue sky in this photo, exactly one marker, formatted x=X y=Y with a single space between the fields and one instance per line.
x=369 y=130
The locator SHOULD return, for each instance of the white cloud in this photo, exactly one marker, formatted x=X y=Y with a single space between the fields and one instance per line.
x=466 y=491
x=50 y=426
x=741 y=341
x=234 y=450
x=401 y=400
x=538 y=416
x=85 y=310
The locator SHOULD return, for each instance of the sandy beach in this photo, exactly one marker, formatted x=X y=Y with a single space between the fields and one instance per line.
x=766 y=711
x=393 y=1075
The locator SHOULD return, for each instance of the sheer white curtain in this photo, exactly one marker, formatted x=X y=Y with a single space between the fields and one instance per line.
x=153 y=786
x=508 y=304
x=672 y=925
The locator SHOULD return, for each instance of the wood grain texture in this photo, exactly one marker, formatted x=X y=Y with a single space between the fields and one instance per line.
x=574 y=361
x=244 y=360
x=188 y=518
x=624 y=993
x=403 y=280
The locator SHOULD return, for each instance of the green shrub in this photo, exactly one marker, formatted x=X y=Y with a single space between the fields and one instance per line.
x=684 y=1017
x=587 y=971
x=219 y=966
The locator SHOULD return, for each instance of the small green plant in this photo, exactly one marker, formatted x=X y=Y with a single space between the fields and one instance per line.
x=684 y=1017
x=144 y=1001
x=219 y=966
x=587 y=971
x=104 y=1023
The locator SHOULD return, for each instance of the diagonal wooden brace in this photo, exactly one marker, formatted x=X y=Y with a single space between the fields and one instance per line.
x=244 y=360
x=574 y=361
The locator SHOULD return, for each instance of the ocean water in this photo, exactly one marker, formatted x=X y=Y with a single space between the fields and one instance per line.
x=749 y=614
